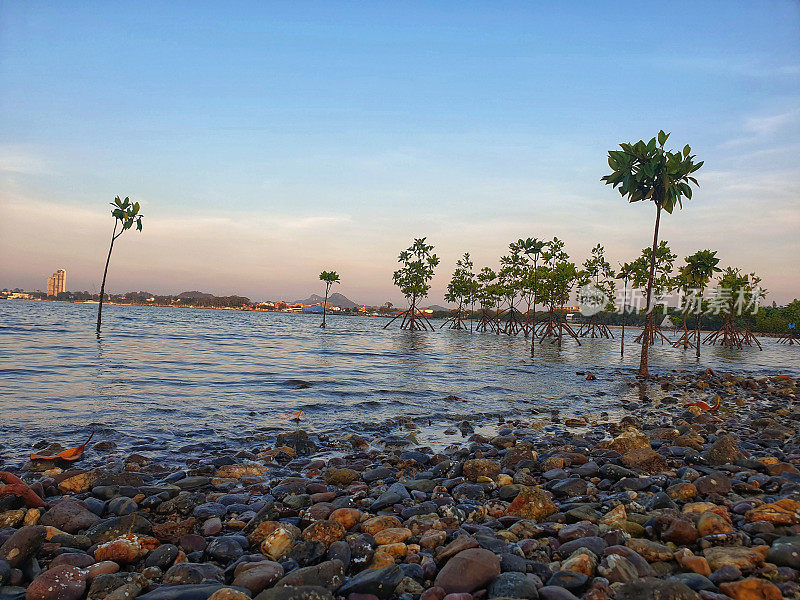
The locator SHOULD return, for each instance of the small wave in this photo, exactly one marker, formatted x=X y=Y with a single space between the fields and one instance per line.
x=22 y=371
x=298 y=384
x=494 y=388
x=367 y=403
x=395 y=392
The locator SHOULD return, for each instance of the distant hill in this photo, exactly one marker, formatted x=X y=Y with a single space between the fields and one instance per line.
x=194 y=294
x=335 y=299
x=438 y=307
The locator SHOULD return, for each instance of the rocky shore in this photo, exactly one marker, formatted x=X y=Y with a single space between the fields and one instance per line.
x=671 y=501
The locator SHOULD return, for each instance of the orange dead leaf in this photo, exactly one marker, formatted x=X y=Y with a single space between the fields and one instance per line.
x=704 y=406
x=70 y=455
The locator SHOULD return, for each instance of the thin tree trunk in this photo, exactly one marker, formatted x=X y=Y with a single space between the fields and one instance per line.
x=105 y=272
x=648 y=323
x=325 y=305
x=697 y=331
x=535 y=289
x=624 y=302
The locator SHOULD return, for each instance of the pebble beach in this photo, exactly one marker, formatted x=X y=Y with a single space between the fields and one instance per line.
x=671 y=500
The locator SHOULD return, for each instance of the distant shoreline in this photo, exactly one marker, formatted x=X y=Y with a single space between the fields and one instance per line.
x=337 y=313
x=189 y=306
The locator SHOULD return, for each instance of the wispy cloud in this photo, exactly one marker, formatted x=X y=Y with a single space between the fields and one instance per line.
x=769 y=124
x=738 y=66
x=21 y=160
x=764 y=128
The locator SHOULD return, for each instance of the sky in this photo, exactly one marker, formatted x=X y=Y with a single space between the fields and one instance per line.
x=267 y=141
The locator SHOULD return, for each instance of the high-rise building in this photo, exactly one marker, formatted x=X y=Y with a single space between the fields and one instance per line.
x=57 y=283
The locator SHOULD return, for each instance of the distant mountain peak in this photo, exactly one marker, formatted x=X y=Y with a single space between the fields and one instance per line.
x=194 y=294
x=335 y=299
x=438 y=308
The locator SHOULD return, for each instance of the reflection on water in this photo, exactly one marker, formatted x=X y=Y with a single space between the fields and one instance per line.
x=171 y=374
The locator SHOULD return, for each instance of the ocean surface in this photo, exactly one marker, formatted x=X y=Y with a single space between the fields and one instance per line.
x=173 y=380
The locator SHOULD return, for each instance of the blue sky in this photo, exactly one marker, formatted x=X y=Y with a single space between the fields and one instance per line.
x=269 y=141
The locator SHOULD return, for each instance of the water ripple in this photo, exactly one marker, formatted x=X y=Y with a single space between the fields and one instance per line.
x=158 y=377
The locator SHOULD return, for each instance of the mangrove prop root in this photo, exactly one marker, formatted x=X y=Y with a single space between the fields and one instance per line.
x=16 y=487
x=686 y=340
x=413 y=320
x=487 y=321
x=595 y=328
x=456 y=321
x=655 y=330
x=514 y=324
x=730 y=336
x=554 y=328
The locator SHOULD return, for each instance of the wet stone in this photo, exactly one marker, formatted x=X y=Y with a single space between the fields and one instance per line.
x=162 y=557
x=308 y=553
x=481 y=467
x=694 y=581
x=22 y=545
x=192 y=543
x=617 y=569
x=468 y=571
x=224 y=550
x=378 y=582
x=395 y=494
x=785 y=552
x=193 y=483
x=713 y=484
x=259 y=576
x=209 y=509
x=307 y=592
x=328 y=574
x=299 y=441
x=122 y=506
x=725 y=450
x=5 y=572
x=551 y=592
x=192 y=573
x=649 y=588
x=533 y=504
x=512 y=585
x=182 y=592
x=60 y=583
x=378 y=473
x=103 y=584
x=593 y=543
x=569 y=580
x=110 y=529
x=69 y=515
x=570 y=487
x=72 y=559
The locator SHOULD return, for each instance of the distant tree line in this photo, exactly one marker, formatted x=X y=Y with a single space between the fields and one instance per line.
x=146 y=298
x=200 y=302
